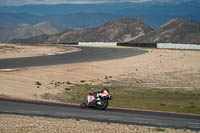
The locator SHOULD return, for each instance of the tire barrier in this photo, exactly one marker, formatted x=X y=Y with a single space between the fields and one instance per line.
x=146 y=45
x=69 y=43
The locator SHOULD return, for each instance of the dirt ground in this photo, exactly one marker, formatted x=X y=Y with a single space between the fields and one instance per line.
x=15 y=51
x=162 y=69
x=24 y=124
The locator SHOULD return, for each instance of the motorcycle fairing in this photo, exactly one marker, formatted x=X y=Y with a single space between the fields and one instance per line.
x=91 y=99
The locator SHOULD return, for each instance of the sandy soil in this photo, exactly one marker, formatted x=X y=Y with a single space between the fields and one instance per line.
x=24 y=124
x=162 y=69
x=16 y=51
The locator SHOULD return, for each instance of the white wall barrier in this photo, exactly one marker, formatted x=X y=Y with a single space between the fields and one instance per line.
x=98 y=44
x=159 y=45
x=178 y=46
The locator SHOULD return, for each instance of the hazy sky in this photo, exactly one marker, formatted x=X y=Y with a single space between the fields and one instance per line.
x=24 y=2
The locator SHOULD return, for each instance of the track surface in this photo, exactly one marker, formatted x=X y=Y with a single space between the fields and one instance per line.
x=87 y=54
x=182 y=121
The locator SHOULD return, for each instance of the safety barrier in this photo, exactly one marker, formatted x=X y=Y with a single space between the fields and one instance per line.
x=178 y=46
x=98 y=44
x=146 y=45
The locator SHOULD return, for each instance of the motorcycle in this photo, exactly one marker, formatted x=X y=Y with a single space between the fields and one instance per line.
x=97 y=100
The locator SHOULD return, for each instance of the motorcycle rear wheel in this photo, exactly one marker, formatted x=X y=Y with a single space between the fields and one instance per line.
x=104 y=105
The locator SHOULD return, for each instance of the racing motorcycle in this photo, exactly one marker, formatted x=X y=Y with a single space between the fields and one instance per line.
x=97 y=100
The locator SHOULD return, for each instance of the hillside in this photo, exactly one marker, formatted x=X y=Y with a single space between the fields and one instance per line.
x=126 y=30
x=22 y=31
x=174 y=31
x=120 y=30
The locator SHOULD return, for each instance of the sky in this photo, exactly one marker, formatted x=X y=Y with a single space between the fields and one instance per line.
x=25 y=2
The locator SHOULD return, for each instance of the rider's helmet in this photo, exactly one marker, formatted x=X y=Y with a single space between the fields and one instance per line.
x=104 y=88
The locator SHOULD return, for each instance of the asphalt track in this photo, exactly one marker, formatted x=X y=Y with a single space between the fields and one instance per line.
x=58 y=110
x=87 y=54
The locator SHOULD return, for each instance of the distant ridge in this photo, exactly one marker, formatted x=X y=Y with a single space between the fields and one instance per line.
x=126 y=30
x=119 y=30
x=174 y=31
x=154 y=13
x=22 y=31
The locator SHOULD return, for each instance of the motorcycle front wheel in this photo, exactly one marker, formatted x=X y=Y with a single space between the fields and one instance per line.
x=104 y=105
x=83 y=105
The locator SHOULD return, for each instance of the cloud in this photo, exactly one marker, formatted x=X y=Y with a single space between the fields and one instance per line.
x=25 y=2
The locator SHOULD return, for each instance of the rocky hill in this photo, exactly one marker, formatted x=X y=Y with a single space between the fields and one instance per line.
x=174 y=31
x=126 y=30
x=22 y=31
x=119 y=30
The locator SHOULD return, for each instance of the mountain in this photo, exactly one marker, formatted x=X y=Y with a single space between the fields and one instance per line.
x=154 y=13
x=174 y=31
x=25 y=31
x=80 y=20
x=13 y=19
x=63 y=9
x=157 y=13
x=76 y=20
x=119 y=30
x=126 y=30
